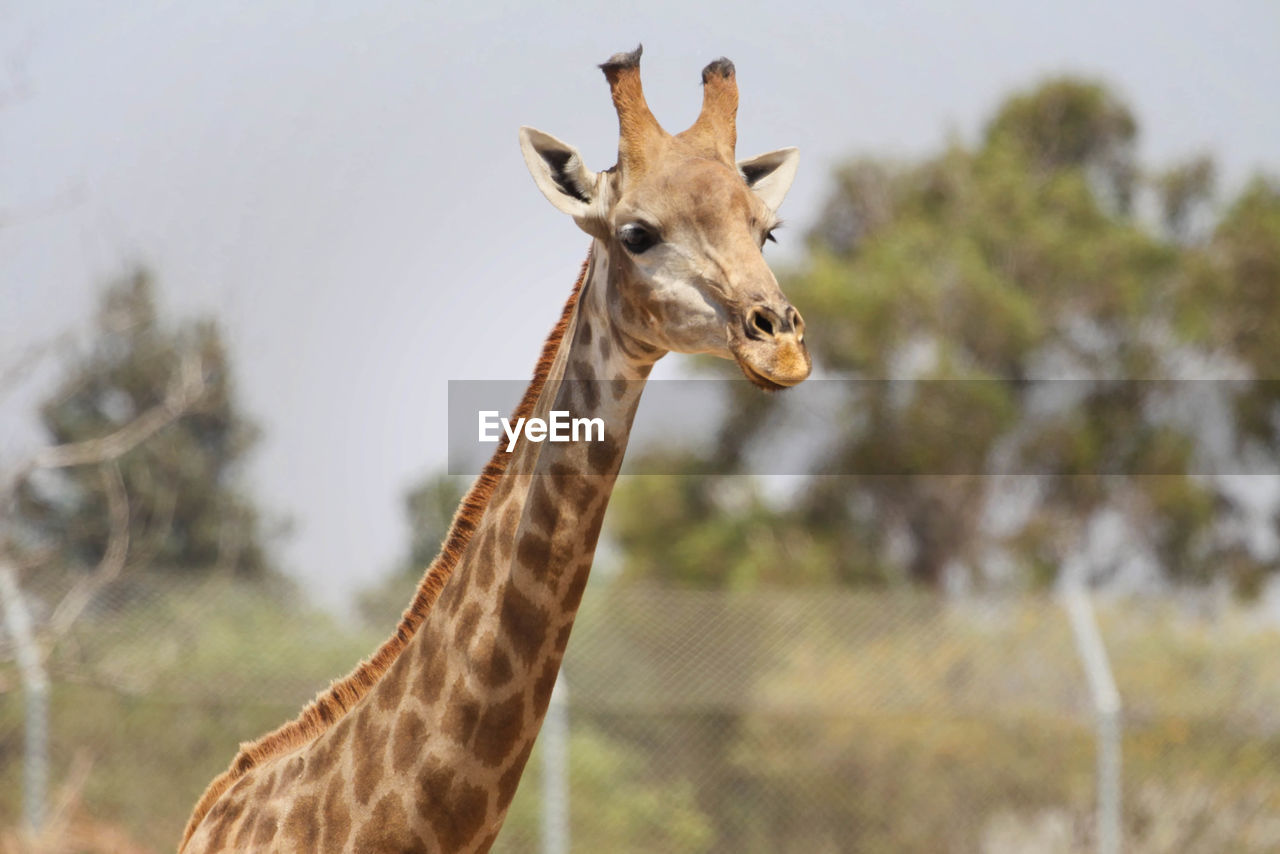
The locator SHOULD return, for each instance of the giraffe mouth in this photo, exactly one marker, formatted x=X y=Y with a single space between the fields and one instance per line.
x=760 y=380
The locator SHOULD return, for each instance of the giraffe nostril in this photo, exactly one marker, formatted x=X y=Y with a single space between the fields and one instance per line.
x=764 y=323
x=797 y=323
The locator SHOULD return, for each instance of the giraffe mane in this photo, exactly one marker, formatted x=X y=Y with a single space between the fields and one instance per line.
x=331 y=704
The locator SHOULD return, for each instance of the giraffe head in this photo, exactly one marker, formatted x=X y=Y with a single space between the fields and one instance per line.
x=684 y=227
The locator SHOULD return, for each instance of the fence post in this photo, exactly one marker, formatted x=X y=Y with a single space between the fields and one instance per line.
x=36 y=687
x=1106 y=708
x=555 y=771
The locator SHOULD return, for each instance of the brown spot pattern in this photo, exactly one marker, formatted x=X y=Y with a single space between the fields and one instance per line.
x=434 y=781
x=542 y=504
x=510 y=521
x=431 y=672
x=391 y=689
x=523 y=622
x=546 y=682
x=500 y=729
x=462 y=713
x=368 y=749
x=411 y=734
x=581 y=493
x=468 y=619
x=534 y=551
x=326 y=751
x=486 y=560
x=464 y=808
x=387 y=831
x=573 y=591
x=587 y=390
x=600 y=455
x=510 y=779
x=301 y=827
x=223 y=817
x=337 y=818
x=493 y=665
x=264 y=830
x=244 y=832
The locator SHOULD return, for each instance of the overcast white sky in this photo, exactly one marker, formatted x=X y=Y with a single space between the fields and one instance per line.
x=340 y=182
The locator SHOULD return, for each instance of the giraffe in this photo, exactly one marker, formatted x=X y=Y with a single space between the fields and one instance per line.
x=421 y=747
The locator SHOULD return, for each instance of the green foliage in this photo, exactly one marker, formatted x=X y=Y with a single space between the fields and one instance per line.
x=1239 y=278
x=1182 y=190
x=188 y=511
x=1068 y=123
x=673 y=530
x=643 y=811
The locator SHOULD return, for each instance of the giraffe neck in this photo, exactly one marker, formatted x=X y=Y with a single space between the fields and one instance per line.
x=440 y=743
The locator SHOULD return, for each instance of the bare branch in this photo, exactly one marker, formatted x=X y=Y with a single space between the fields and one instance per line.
x=186 y=390
x=79 y=597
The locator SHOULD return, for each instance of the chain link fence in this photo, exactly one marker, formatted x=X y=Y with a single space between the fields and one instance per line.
x=705 y=722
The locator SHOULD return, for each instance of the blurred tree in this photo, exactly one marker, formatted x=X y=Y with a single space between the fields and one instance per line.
x=1068 y=123
x=1183 y=190
x=187 y=510
x=1233 y=307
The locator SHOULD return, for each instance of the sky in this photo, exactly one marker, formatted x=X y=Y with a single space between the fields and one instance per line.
x=340 y=183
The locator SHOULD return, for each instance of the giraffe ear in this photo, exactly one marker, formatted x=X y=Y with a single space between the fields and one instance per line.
x=770 y=175
x=559 y=172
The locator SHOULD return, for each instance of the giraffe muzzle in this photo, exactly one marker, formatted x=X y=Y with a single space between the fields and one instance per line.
x=770 y=349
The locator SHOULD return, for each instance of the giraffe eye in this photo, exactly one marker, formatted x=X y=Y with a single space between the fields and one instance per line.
x=636 y=238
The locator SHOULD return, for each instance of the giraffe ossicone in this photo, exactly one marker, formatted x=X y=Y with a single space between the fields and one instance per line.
x=421 y=747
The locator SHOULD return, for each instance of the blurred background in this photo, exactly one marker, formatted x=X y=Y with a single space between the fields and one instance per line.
x=244 y=247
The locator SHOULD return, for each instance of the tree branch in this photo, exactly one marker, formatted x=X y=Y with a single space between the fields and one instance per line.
x=108 y=569
x=186 y=390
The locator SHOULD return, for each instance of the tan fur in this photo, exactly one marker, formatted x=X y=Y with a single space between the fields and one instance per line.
x=641 y=140
x=330 y=705
x=716 y=131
